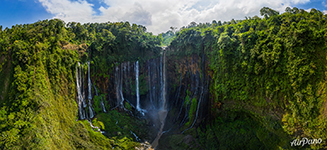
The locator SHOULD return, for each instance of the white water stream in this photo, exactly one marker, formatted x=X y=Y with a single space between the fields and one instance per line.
x=162 y=113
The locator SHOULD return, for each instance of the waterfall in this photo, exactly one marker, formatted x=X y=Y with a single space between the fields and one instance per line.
x=81 y=98
x=95 y=89
x=90 y=94
x=101 y=102
x=119 y=85
x=159 y=95
x=102 y=106
x=137 y=86
x=138 y=107
x=156 y=89
x=149 y=77
x=89 y=80
x=156 y=81
x=161 y=84
x=136 y=137
x=162 y=113
x=164 y=81
x=83 y=94
x=95 y=127
x=78 y=89
x=83 y=85
x=79 y=93
x=126 y=79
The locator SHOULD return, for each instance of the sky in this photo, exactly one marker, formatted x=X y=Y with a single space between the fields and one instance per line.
x=156 y=15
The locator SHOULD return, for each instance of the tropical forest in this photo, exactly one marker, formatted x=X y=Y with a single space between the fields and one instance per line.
x=257 y=83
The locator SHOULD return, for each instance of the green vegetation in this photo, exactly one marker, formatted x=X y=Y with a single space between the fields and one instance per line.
x=119 y=42
x=167 y=37
x=38 y=109
x=97 y=103
x=192 y=104
x=267 y=86
x=121 y=125
x=269 y=68
x=241 y=130
x=37 y=70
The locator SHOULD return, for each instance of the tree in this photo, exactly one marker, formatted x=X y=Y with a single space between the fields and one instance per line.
x=173 y=29
x=267 y=12
x=219 y=23
x=192 y=24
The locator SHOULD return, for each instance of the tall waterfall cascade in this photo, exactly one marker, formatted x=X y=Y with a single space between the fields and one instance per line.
x=164 y=81
x=81 y=98
x=137 y=86
x=154 y=99
x=83 y=90
x=128 y=85
x=79 y=85
x=119 y=85
x=138 y=107
x=162 y=113
x=91 y=111
x=155 y=83
x=141 y=87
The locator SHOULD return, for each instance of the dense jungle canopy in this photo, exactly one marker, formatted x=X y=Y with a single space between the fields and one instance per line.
x=265 y=79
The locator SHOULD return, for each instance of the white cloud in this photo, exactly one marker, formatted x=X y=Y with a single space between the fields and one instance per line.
x=78 y=11
x=159 y=16
x=325 y=12
x=324 y=4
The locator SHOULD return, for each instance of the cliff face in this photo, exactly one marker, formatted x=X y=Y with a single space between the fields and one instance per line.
x=193 y=113
x=189 y=83
x=186 y=80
